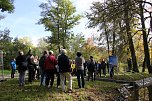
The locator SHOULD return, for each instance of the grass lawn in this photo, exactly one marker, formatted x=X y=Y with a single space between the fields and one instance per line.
x=129 y=76
x=93 y=91
x=6 y=72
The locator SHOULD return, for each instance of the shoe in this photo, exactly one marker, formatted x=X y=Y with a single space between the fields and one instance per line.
x=70 y=91
x=65 y=91
x=21 y=85
x=57 y=87
x=47 y=86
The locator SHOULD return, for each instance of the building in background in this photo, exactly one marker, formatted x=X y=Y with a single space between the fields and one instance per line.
x=90 y=41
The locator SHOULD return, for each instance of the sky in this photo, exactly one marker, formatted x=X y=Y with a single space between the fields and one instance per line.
x=22 y=23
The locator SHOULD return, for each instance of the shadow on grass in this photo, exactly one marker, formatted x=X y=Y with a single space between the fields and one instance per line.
x=10 y=91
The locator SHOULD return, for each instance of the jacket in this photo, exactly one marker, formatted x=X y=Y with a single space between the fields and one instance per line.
x=19 y=61
x=79 y=61
x=50 y=62
x=91 y=66
x=64 y=64
x=13 y=64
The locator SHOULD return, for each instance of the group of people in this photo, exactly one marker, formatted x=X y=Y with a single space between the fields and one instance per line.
x=27 y=62
x=48 y=65
x=92 y=68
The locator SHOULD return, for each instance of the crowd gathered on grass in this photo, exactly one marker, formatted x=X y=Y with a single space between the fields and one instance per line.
x=49 y=67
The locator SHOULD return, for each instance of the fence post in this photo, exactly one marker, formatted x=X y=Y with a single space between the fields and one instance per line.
x=1 y=64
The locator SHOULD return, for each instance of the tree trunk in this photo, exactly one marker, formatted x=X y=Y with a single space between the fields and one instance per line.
x=65 y=29
x=131 y=46
x=58 y=31
x=143 y=66
x=136 y=95
x=106 y=34
x=107 y=38
x=151 y=22
x=145 y=43
x=114 y=36
x=58 y=39
x=150 y=92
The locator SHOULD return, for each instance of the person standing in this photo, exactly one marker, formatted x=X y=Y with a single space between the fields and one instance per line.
x=91 y=68
x=31 y=69
x=79 y=64
x=113 y=62
x=99 y=68
x=65 y=70
x=22 y=67
x=37 y=68
x=41 y=64
x=85 y=68
x=103 y=66
x=50 y=69
x=73 y=67
x=13 y=67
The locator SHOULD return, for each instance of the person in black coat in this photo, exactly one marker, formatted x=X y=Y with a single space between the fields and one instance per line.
x=65 y=70
x=91 y=68
x=103 y=66
x=21 y=62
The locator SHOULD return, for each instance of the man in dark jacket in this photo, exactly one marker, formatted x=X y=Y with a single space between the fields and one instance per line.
x=91 y=68
x=103 y=66
x=22 y=67
x=65 y=70
x=41 y=64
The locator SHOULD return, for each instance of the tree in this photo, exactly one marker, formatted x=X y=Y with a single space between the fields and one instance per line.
x=23 y=44
x=127 y=20
x=6 y=46
x=76 y=44
x=4 y=38
x=115 y=20
x=145 y=35
x=6 y=5
x=58 y=16
x=41 y=46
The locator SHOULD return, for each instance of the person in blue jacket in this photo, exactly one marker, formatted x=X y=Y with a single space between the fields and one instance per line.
x=13 y=67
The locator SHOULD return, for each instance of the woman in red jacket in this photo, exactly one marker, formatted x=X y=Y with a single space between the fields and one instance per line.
x=49 y=67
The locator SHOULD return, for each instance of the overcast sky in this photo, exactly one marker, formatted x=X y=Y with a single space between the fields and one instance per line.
x=27 y=13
